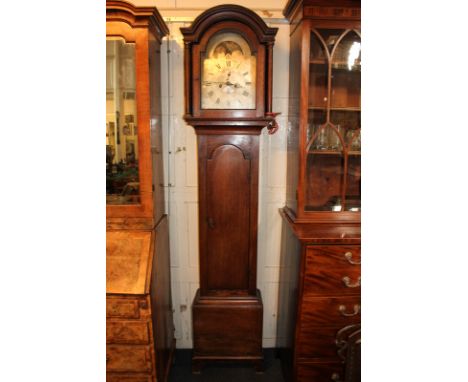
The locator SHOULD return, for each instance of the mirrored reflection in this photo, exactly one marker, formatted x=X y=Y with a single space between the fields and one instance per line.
x=346 y=73
x=122 y=180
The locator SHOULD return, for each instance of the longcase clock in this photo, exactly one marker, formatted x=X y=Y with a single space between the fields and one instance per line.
x=228 y=89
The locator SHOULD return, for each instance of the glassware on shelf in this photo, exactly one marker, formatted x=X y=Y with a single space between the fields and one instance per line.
x=349 y=136
x=321 y=142
x=336 y=205
x=334 y=142
x=356 y=144
x=353 y=139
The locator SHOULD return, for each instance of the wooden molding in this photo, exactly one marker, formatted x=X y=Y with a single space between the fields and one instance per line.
x=224 y=13
x=147 y=17
x=324 y=9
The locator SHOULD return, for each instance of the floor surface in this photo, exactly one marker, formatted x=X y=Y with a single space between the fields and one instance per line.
x=182 y=372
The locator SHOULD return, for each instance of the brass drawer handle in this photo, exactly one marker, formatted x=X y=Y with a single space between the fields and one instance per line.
x=349 y=256
x=336 y=377
x=349 y=284
x=342 y=309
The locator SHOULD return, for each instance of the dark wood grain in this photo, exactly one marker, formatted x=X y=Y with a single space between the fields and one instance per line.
x=317 y=342
x=227 y=223
x=323 y=311
x=318 y=372
x=227 y=328
x=326 y=266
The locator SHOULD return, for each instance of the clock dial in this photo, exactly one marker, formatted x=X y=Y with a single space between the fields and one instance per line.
x=228 y=77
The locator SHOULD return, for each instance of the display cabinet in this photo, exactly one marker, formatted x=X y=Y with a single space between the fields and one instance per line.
x=324 y=142
x=140 y=330
x=320 y=263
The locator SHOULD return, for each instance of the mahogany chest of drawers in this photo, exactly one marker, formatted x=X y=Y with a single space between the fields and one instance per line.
x=330 y=302
x=320 y=297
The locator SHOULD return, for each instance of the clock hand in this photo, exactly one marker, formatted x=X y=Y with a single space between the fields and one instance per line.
x=236 y=85
x=212 y=83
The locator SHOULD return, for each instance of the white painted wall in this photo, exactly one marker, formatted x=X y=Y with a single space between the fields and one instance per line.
x=181 y=168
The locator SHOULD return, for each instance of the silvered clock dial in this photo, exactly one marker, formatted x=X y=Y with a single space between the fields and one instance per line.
x=228 y=76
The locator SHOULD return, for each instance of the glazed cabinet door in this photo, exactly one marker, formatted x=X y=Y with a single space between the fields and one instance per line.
x=333 y=134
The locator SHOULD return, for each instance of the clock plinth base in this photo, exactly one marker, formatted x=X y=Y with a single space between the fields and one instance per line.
x=227 y=329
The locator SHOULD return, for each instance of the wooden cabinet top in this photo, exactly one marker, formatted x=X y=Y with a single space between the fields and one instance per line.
x=128 y=261
x=137 y=17
x=323 y=233
x=322 y=9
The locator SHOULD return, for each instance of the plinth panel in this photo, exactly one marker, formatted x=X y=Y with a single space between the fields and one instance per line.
x=227 y=328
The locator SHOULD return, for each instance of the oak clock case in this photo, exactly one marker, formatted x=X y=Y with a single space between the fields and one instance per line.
x=139 y=326
x=319 y=312
x=228 y=82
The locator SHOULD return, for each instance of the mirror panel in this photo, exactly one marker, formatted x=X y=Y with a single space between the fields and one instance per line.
x=122 y=174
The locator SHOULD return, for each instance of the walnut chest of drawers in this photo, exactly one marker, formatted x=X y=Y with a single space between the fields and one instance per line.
x=139 y=330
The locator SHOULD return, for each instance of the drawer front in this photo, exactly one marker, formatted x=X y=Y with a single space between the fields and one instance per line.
x=130 y=332
x=122 y=308
x=128 y=378
x=320 y=372
x=316 y=342
x=332 y=270
x=126 y=358
x=331 y=311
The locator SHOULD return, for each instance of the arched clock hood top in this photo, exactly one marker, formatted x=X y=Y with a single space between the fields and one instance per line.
x=228 y=12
